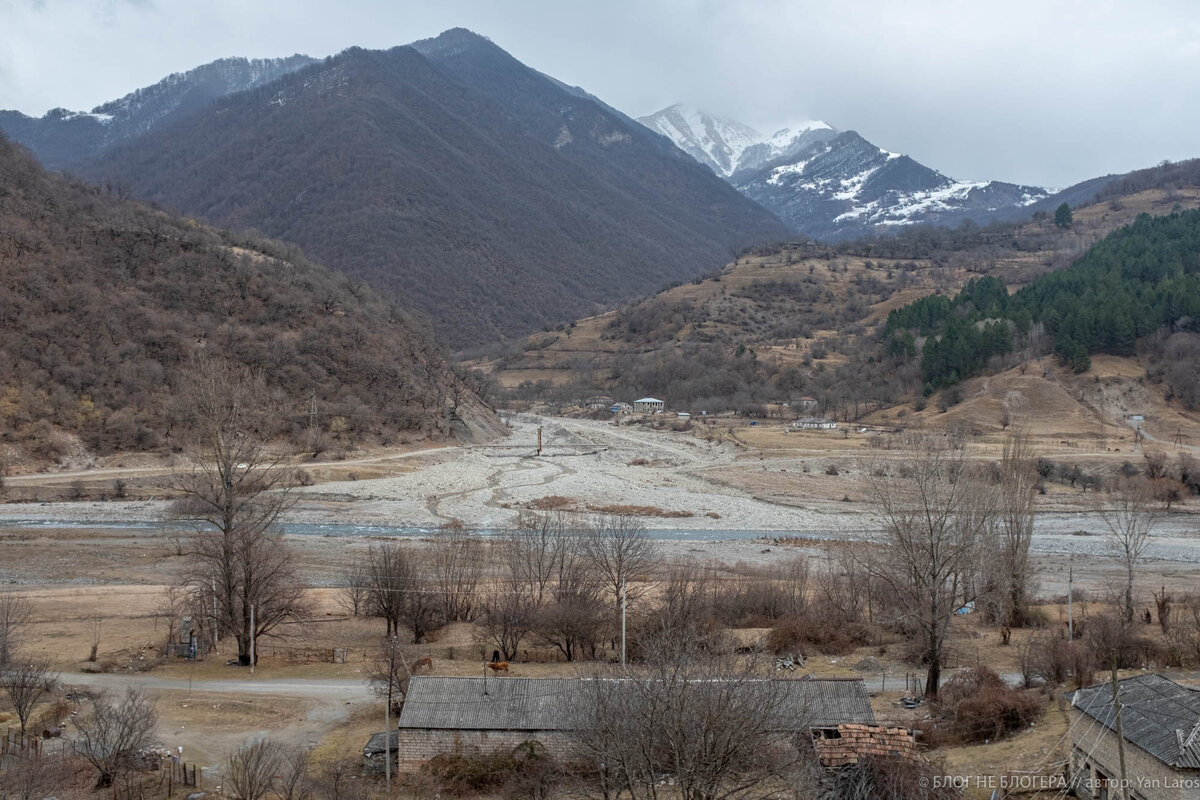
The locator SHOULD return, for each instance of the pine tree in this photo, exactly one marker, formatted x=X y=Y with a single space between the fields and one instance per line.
x=1063 y=217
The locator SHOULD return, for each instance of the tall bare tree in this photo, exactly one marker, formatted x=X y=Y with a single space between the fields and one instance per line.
x=935 y=510
x=400 y=591
x=1129 y=513
x=25 y=682
x=620 y=555
x=534 y=551
x=1018 y=486
x=15 y=612
x=234 y=493
x=456 y=560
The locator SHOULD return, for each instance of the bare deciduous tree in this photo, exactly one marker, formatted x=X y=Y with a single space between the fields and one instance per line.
x=234 y=493
x=1129 y=514
x=708 y=723
x=534 y=550
x=250 y=772
x=14 y=621
x=115 y=731
x=25 y=682
x=934 y=513
x=399 y=592
x=1018 y=486
x=355 y=593
x=620 y=555
x=456 y=559
x=294 y=782
x=508 y=617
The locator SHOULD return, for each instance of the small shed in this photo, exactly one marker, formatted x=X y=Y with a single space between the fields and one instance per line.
x=648 y=405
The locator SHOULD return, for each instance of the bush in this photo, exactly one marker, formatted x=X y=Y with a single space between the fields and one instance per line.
x=979 y=706
x=807 y=633
x=525 y=772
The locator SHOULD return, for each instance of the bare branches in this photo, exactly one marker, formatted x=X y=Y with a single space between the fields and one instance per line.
x=14 y=620
x=934 y=511
x=1018 y=486
x=234 y=493
x=1130 y=515
x=710 y=724
x=116 y=730
x=25 y=683
x=250 y=772
x=456 y=560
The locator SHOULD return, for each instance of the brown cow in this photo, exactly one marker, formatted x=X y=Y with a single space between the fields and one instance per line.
x=498 y=666
x=423 y=663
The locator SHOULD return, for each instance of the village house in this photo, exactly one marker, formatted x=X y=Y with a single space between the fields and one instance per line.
x=443 y=715
x=648 y=405
x=815 y=424
x=804 y=404
x=1160 y=720
x=598 y=402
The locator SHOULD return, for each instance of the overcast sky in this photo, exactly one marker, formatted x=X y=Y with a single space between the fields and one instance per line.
x=1040 y=91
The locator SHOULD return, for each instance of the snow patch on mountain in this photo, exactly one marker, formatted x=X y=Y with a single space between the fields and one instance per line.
x=727 y=146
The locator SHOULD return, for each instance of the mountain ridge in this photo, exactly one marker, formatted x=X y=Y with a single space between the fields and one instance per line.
x=64 y=139
x=464 y=184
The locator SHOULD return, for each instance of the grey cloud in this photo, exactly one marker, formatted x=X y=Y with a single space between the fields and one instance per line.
x=1035 y=91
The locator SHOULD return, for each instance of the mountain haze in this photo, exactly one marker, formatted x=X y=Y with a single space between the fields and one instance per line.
x=452 y=177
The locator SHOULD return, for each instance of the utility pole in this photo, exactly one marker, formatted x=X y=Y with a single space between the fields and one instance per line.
x=1071 y=600
x=216 y=635
x=252 y=638
x=387 y=715
x=539 y=441
x=622 y=620
x=1120 y=733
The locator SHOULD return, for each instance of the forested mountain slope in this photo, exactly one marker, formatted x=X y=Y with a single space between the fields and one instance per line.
x=104 y=303
x=461 y=183
x=808 y=319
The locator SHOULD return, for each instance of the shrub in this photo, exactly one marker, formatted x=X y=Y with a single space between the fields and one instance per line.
x=804 y=632
x=979 y=706
x=525 y=772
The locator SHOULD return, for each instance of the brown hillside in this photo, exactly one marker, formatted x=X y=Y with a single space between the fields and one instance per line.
x=103 y=303
x=799 y=320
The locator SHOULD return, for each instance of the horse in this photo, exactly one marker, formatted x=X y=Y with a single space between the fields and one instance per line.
x=498 y=666
x=423 y=663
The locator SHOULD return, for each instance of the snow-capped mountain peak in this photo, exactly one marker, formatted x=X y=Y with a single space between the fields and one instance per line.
x=727 y=146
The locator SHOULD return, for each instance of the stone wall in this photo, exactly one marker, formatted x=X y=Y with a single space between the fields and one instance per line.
x=415 y=746
x=1094 y=757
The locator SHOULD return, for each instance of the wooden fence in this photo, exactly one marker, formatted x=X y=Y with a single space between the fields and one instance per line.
x=179 y=773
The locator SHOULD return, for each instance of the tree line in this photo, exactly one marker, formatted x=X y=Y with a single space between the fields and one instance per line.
x=1140 y=279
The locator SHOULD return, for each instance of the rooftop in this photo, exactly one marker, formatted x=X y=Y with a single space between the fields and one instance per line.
x=544 y=704
x=1158 y=715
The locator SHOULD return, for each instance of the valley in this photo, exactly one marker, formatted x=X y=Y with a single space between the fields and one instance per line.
x=410 y=405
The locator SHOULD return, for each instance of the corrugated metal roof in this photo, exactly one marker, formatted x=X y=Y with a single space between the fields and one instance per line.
x=545 y=704
x=1158 y=715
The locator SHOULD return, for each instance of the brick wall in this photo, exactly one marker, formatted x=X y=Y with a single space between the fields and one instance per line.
x=1094 y=753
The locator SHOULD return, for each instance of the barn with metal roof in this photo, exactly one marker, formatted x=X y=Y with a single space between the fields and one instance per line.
x=455 y=714
x=1160 y=720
